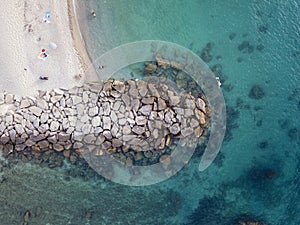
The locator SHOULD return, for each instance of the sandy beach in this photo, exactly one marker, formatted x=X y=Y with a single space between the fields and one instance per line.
x=28 y=27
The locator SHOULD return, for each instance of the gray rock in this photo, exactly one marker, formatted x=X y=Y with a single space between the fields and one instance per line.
x=128 y=137
x=142 y=87
x=36 y=110
x=174 y=129
x=126 y=130
x=85 y=96
x=138 y=129
x=146 y=110
x=76 y=99
x=106 y=108
x=126 y=100
x=89 y=139
x=86 y=128
x=19 y=129
x=54 y=125
x=63 y=137
x=24 y=103
x=9 y=120
x=29 y=143
x=140 y=120
x=107 y=135
x=187 y=131
x=96 y=121
x=43 y=144
x=201 y=104
x=43 y=128
x=58 y=147
x=18 y=118
x=114 y=130
x=106 y=123
x=44 y=117
x=116 y=143
x=20 y=147
x=174 y=100
x=93 y=111
x=148 y=100
x=119 y=86
x=161 y=104
x=12 y=135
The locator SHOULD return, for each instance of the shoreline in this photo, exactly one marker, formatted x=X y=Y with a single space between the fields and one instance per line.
x=78 y=40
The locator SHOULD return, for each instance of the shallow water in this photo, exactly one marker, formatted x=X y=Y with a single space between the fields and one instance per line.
x=262 y=132
x=257 y=170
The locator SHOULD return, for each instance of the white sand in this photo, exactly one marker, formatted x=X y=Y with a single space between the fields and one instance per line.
x=19 y=47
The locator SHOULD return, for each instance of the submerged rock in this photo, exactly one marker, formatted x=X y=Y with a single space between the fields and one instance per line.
x=256 y=92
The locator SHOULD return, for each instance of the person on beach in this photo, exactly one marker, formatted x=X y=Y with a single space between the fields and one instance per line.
x=43 y=78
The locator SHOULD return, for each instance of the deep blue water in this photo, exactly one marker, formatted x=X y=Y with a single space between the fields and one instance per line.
x=256 y=43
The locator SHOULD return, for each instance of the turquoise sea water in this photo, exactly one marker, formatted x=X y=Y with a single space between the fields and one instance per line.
x=265 y=133
x=256 y=175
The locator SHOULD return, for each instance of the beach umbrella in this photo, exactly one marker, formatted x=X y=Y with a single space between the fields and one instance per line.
x=52 y=45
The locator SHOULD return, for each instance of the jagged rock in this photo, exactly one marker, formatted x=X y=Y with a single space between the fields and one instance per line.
x=86 y=128
x=142 y=87
x=106 y=108
x=187 y=131
x=20 y=147
x=76 y=99
x=126 y=130
x=36 y=110
x=163 y=63
x=58 y=147
x=9 y=119
x=200 y=104
x=89 y=139
x=12 y=135
x=113 y=117
x=42 y=104
x=148 y=100
x=138 y=129
x=116 y=143
x=24 y=103
x=107 y=134
x=151 y=67
x=174 y=129
x=19 y=129
x=161 y=104
x=126 y=99
x=119 y=86
x=200 y=116
x=43 y=144
x=146 y=110
x=28 y=143
x=93 y=111
x=63 y=137
x=44 y=117
x=106 y=123
x=114 y=130
x=174 y=100
x=54 y=126
x=140 y=120
x=96 y=121
x=198 y=132
x=85 y=96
